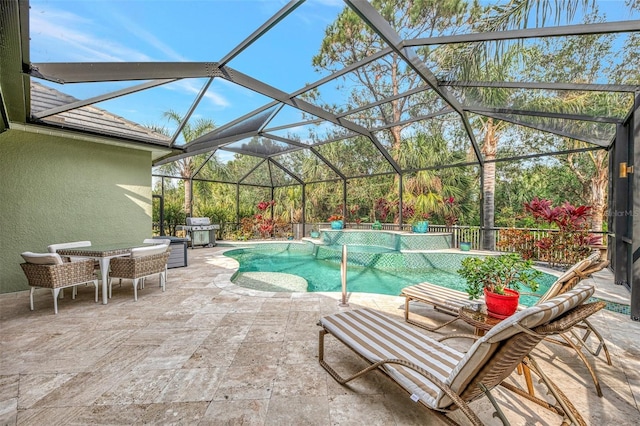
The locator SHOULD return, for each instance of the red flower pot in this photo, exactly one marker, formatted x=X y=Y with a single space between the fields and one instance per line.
x=501 y=305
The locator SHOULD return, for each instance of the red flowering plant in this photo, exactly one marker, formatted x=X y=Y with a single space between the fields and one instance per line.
x=353 y=214
x=517 y=240
x=387 y=211
x=409 y=214
x=572 y=241
x=337 y=215
x=450 y=210
x=382 y=209
x=446 y=211
x=263 y=224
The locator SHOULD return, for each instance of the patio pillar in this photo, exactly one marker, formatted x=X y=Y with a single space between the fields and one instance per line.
x=400 y=200
x=161 y=213
x=237 y=205
x=482 y=229
x=344 y=200
x=272 y=209
x=304 y=209
x=190 y=212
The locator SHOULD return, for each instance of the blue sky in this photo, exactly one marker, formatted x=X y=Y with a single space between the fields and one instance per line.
x=189 y=30
x=139 y=30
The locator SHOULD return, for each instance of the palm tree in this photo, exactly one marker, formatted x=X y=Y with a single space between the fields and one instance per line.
x=185 y=167
x=493 y=62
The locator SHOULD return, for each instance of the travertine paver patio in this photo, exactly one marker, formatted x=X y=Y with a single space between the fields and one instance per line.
x=209 y=352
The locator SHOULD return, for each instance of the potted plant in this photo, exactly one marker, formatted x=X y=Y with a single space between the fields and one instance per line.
x=337 y=221
x=315 y=233
x=419 y=223
x=499 y=278
x=465 y=245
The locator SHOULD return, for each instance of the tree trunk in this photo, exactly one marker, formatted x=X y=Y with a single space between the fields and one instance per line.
x=595 y=186
x=187 y=197
x=598 y=190
x=186 y=171
x=489 y=149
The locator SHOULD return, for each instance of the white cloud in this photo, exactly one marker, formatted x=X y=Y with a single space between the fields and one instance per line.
x=190 y=86
x=136 y=30
x=217 y=99
x=58 y=36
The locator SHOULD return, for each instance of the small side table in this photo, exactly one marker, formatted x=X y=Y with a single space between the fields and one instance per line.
x=482 y=323
x=480 y=320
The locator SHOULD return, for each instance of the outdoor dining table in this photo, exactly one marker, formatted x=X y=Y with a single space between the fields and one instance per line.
x=103 y=254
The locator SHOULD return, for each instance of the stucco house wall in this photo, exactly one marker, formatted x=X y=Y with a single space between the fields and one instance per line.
x=55 y=189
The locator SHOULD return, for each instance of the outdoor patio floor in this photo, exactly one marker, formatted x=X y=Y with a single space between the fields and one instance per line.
x=209 y=352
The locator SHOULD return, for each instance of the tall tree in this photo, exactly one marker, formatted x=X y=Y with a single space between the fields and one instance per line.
x=585 y=60
x=494 y=62
x=349 y=39
x=186 y=167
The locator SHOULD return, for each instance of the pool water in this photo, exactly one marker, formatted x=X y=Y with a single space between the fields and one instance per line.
x=325 y=276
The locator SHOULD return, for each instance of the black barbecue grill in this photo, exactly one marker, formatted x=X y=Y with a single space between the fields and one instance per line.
x=200 y=231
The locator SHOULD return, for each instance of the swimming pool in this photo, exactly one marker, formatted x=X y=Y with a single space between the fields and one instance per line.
x=324 y=275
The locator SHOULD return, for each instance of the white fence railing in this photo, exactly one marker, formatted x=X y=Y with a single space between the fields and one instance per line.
x=472 y=234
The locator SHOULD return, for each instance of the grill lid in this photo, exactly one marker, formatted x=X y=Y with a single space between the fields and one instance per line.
x=198 y=221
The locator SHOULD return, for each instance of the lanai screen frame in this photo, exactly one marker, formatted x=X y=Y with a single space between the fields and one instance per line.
x=14 y=13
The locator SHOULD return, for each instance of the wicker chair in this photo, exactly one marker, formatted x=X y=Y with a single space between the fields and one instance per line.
x=443 y=378
x=47 y=270
x=143 y=262
x=53 y=248
x=166 y=241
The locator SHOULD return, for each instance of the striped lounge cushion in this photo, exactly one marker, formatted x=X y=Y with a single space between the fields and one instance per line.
x=441 y=297
x=560 y=282
x=376 y=337
x=529 y=318
x=541 y=313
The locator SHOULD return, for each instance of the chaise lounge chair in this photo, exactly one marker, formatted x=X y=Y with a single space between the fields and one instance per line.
x=451 y=301
x=442 y=378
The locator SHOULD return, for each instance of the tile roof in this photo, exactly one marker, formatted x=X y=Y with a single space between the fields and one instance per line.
x=88 y=118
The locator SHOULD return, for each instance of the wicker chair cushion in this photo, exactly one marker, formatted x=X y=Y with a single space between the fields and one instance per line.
x=42 y=258
x=376 y=337
x=157 y=241
x=148 y=251
x=55 y=247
